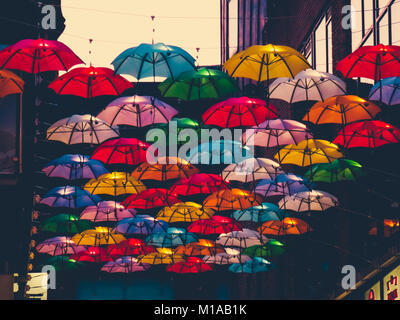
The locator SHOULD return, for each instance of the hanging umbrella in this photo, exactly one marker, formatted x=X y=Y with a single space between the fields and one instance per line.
x=199 y=84
x=308 y=85
x=129 y=151
x=164 y=171
x=153 y=60
x=162 y=256
x=200 y=183
x=270 y=249
x=314 y=200
x=252 y=169
x=97 y=237
x=141 y=224
x=191 y=265
x=38 y=55
x=232 y=199
x=137 y=111
x=308 y=152
x=129 y=247
x=386 y=91
x=74 y=166
x=243 y=239
x=272 y=133
x=171 y=238
x=201 y=248
x=184 y=212
x=372 y=62
x=63 y=263
x=282 y=185
x=10 y=83
x=90 y=82
x=342 y=110
x=214 y=225
x=114 y=184
x=173 y=129
x=81 y=129
x=92 y=254
x=288 y=226
x=125 y=265
x=259 y=214
x=265 y=62
x=338 y=170
x=69 y=197
x=238 y=112
x=58 y=246
x=255 y=265
x=368 y=134
x=225 y=258
x=65 y=223
x=107 y=211
x=151 y=198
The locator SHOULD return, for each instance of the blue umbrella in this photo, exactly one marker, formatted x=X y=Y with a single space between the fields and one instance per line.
x=171 y=238
x=386 y=91
x=69 y=197
x=74 y=166
x=283 y=185
x=260 y=214
x=255 y=265
x=141 y=224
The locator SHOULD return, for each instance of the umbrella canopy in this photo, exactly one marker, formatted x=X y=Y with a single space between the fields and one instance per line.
x=10 y=83
x=141 y=224
x=81 y=129
x=257 y=264
x=97 y=237
x=201 y=248
x=288 y=226
x=38 y=55
x=232 y=199
x=108 y=211
x=162 y=256
x=282 y=185
x=65 y=223
x=114 y=184
x=386 y=91
x=69 y=197
x=308 y=85
x=153 y=60
x=58 y=246
x=137 y=111
x=172 y=132
x=92 y=254
x=262 y=63
x=125 y=265
x=271 y=248
x=199 y=84
x=309 y=152
x=259 y=214
x=90 y=82
x=200 y=183
x=342 y=110
x=164 y=171
x=191 y=265
x=184 y=212
x=279 y=132
x=243 y=239
x=225 y=258
x=171 y=238
x=238 y=112
x=368 y=134
x=214 y=225
x=372 y=62
x=314 y=200
x=129 y=247
x=129 y=151
x=74 y=166
x=151 y=198
x=338 y=170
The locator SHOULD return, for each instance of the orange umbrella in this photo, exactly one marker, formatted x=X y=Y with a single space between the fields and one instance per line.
x=10 y=83
x=232 y=199
x=201 y=248
x=164 y=171
x=288 y=226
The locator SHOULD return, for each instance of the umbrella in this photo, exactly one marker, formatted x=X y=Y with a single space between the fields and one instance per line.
x=386 y=91
x=151 y=198
x=125 y=265
x=74 y=166
x=137 y=111
x=259 y=214
x=141 y=224
x=282 y=185
x=174 y=128
x=107 y=211
x=171 y=238
x=232 y=199
x=10 y=83
x=243 y=239
x=90 y=82
x=225 y=258
x=164 y=171
x=313 y=200
x=162 y=256
x=97 y=237
x=372 y=62
x=338 y=170
x=252 y=169
x=153 y=60
x=65 y=223
x=81 y=129
x=279 y=132
x=38 y=55
x=288 y=226
x=191 y=265
x=257 y=264
x=199 y=84
x=308 y=85
x=271 y=248
x=308 y=152
x=129 y=151
x=114 y=184
x=129 y=247
x=237 y=112
x=58 y=246
x=265 y=62
x=92 y=254
x=368 y=134
x=200 y=183
x=69 y=197
x=184 y=212
x=214 y=225
x=342 y=110
x=63 y=263
x=201 y=248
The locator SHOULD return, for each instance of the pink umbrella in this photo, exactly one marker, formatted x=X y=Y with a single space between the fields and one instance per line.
x=199 y=183
x=125 y=265
x=107 y=211
x=59 y=246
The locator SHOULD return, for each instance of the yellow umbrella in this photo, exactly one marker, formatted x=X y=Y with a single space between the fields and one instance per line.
x=162 y=256
x=308 y=152
x=266 y=62
x=232 y=199
x=184 y=212
x=10 y=83
x=342 y=110
x=97 y=237
x=114 y=184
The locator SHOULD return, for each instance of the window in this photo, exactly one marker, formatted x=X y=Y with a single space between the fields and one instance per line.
x=233 y=27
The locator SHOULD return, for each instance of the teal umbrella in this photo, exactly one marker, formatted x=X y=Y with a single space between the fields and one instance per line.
x=66 y=223
x=255 y=265
x=173 y=237
x=260 y=214
x=271 y=248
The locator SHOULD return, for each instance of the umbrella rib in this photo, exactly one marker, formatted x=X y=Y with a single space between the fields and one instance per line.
x=141 y=66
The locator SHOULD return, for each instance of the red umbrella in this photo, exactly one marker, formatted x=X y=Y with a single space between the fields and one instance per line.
x=203 y=183
x=369 y=134
x=129 y=247
x=90 y=82
x=129 y=151
x=92 y=254
x=236 y=112
x=215 y=225
x=372 y=62
x=192 y=265
x=38 y=55
x=151 y=198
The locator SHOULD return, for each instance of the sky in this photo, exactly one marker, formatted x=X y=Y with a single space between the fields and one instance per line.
x=120 y=24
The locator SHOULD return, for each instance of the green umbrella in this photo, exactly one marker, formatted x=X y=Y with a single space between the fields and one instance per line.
x=338 y=170
x=63 y=263
x=181 y=124
x=66 y=223
x=271 y=248
x=201 y=84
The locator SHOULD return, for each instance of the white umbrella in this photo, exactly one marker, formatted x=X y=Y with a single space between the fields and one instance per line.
x=282 y=185
x=125 y=265
x=313 y=200
x=107 y=211
x=243 y=239
x=225 y=258
x=58 y=246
